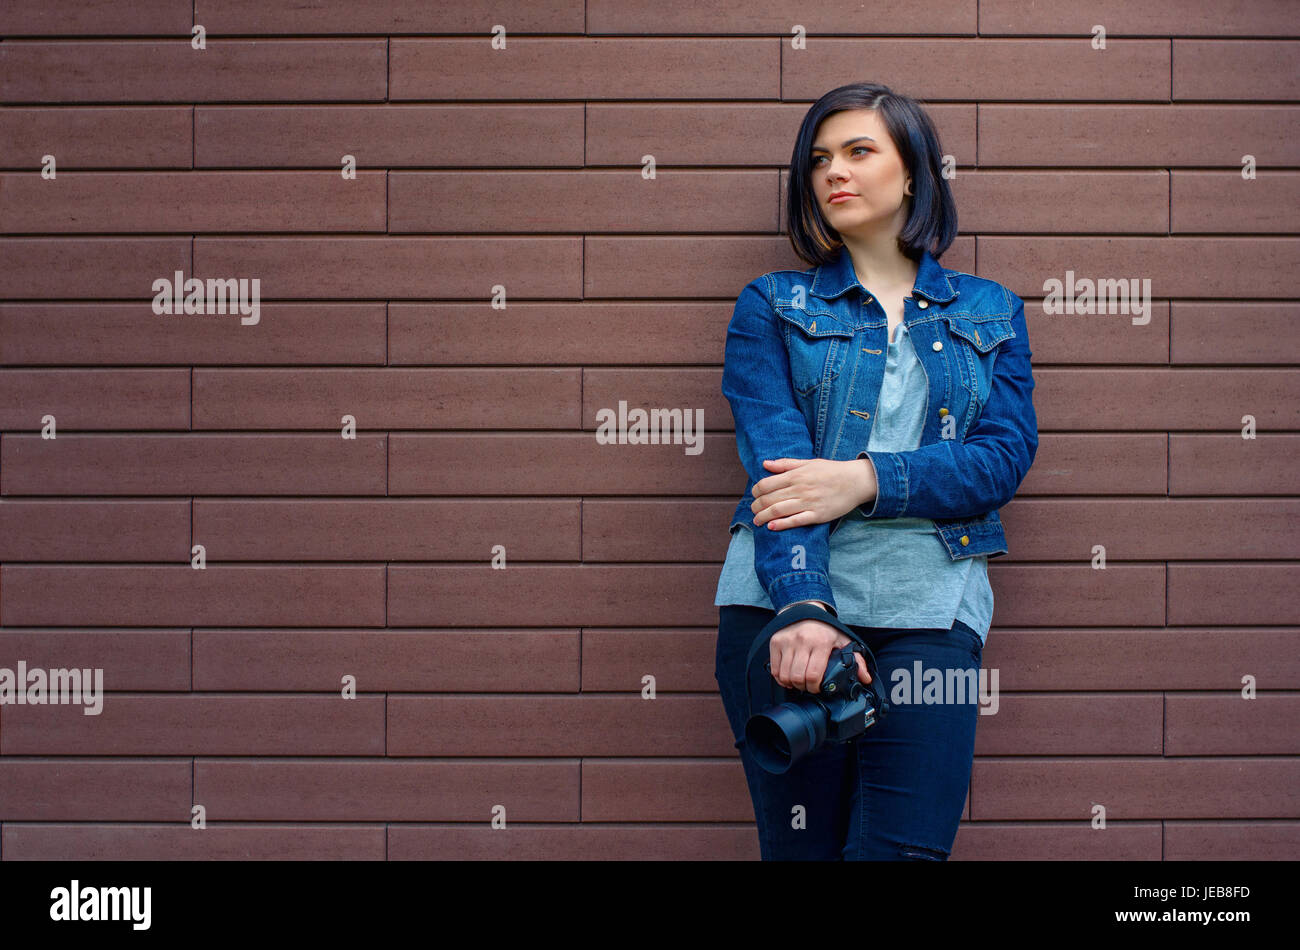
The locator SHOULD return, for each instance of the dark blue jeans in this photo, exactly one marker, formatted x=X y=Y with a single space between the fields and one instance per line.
x=896 y=792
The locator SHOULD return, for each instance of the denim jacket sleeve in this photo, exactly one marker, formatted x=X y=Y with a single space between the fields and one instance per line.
x=792 y=564
x=960 y=479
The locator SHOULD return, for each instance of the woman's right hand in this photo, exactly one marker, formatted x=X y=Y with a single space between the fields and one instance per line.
x=800 y=652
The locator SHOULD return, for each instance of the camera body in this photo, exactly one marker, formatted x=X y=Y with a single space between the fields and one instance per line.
x=850 y=706
x=787 y=724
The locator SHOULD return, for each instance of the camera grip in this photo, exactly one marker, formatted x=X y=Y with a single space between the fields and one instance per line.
x=759 y=681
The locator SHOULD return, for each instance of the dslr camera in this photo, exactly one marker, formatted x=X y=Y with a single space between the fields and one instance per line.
x=786 y=724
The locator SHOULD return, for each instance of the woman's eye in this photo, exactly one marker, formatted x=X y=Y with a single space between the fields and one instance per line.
x=817 y=161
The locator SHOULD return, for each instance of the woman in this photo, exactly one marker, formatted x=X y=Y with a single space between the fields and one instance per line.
x=884 y=412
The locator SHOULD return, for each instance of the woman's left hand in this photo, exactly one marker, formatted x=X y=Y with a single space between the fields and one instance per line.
x=811 y=491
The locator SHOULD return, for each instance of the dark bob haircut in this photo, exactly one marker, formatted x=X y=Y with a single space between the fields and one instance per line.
x=932 y=220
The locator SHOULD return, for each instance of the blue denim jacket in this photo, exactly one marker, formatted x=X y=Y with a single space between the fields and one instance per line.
x=805 y=357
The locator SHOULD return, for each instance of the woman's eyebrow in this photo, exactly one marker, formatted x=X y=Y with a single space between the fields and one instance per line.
x=847 y=143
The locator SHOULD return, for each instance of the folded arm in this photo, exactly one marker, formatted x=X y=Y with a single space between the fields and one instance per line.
x=792 y=564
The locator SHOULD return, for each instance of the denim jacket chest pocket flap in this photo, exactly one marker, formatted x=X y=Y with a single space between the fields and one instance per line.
x=977 y=339
x=817 y=341
x=983 y=333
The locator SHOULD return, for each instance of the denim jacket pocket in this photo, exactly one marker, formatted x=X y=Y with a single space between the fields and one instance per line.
x=818 y=344
x=976 y=350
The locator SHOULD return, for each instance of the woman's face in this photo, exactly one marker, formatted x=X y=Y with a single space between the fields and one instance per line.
x=854 y=153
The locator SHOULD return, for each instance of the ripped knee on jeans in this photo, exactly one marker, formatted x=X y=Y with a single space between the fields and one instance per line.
x=916 y=852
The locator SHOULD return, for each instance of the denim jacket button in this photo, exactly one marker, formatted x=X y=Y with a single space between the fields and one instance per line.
x=922 y=304
x=965 y=540
x=942 y=413
x=937 y=346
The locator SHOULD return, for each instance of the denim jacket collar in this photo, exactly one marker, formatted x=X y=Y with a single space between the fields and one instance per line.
x=838 y=276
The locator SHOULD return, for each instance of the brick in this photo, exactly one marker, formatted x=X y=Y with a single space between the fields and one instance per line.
x=155 y=660
x=220 y=841
x=679 y=660
x=1097 y=464
x=1151 y=529
x=888 y=16
x=192 y=465
x=1038 y=202
x=1149 y=658
x=403 y=529
x=193 y=724
x=585 y=68
x=115 y=333
x=88 y=267
x=131 y=71
x=1257 y=70
x=1234 y=594
x=389 y=661
x=1007 y=69
x=694 y=395
x=1117 y=135
x=550 y=463
x=1094 y=723
x=95 y=530
x=384 y=16
x=1077 y=595
x=95 y=17
x=625 y=724
x=94 y=789
x=1107 y=339
x=97 y=137
x=559 y=596
x=1223 y=203
x=1056 y=841
x=81 y=399
x=390 y=136
x=1225 y=723
x=1143 y=399
x=664 y=531
x=181 y=596
x=588 y=201
x=561 y=333
x=1176 y=266
x=1232 y=840
x=541 y=398
x=573 y=842
x=632 y=789
x=1129 y=788
x=1230 y=464
x=193 y=201
x=389 y=268
x=1159 y=17
x=382 y=789
x=1229 y=333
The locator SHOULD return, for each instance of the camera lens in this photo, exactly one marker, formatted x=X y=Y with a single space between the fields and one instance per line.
x=781 y=735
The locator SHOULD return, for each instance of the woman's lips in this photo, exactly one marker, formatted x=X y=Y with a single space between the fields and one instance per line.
x=838 y=198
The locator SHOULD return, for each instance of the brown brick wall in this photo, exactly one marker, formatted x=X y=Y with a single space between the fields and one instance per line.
x=475 y=427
